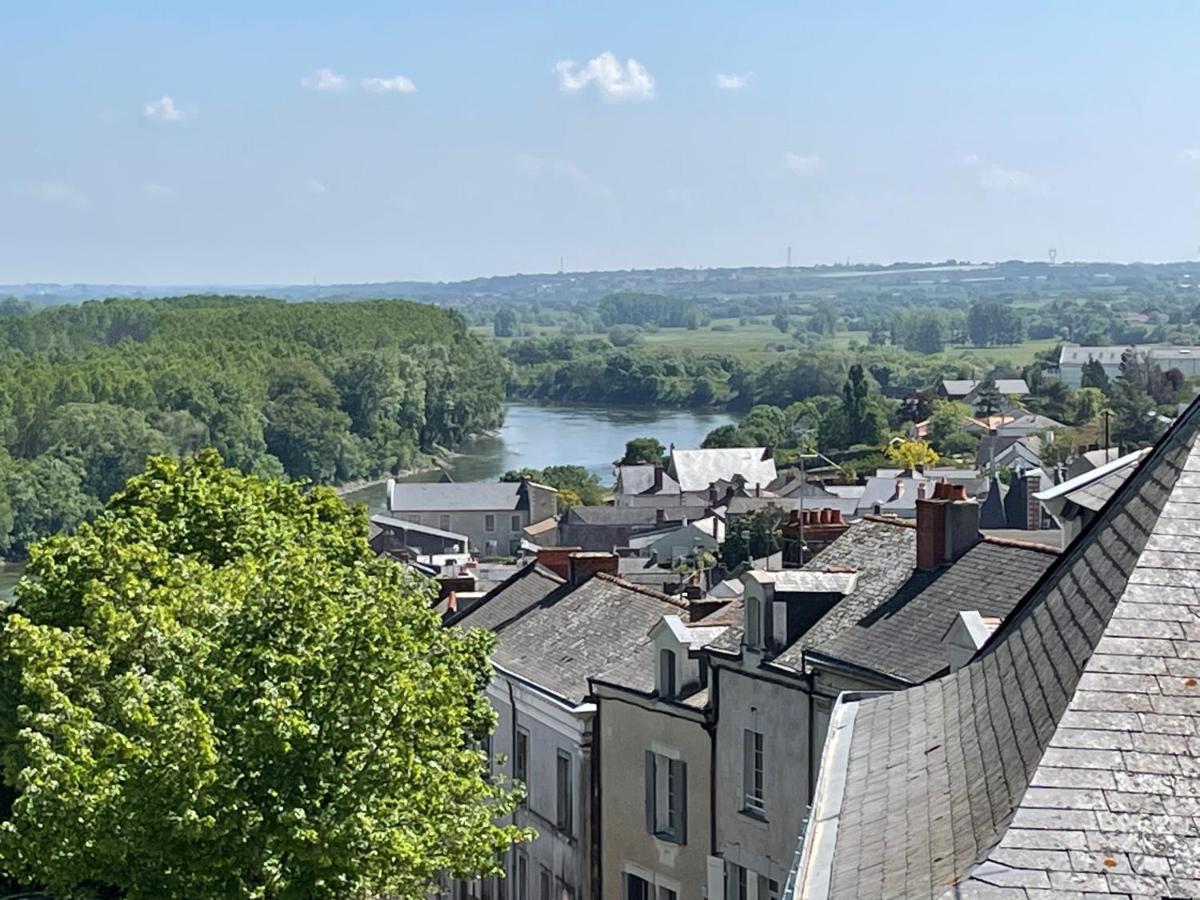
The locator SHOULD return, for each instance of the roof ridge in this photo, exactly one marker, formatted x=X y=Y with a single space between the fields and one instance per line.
x=1021 y=545
x=639 y=589
x=885 y=520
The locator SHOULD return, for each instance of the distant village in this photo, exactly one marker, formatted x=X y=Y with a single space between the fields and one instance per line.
x=897 y=678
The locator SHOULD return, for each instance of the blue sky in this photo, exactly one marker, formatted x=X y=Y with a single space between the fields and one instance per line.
x=287 y=142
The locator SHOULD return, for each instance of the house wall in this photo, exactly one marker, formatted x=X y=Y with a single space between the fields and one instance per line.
x=472 y=523
x=628 y=728
x=778 y=710
x=680 y=543
x=552 y=727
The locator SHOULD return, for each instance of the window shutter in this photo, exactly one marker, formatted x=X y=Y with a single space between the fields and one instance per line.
x=682 y=787
x=747 y=765
x=650 y=788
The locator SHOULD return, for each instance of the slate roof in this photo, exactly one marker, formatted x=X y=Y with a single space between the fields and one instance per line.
x=417 y=496
x=996 y=446
x=903 y=638
x=404 y=525
x=1063 y=760
x=897 y=494
x=557 y=635
x=962 y=387
x=640 y=480
x=744 y=505
x=637 y=671
x=695 y=470
x=1092 y=489
x=883 y=553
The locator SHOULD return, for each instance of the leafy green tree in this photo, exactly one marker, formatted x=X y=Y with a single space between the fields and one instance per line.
x=947 y=433
x=576 y=486
x=911 y=455
x=1135 y=423
x=623 y=335
x=111 y=442
x=824 y=320
x=643 y=450
x=304 y=423
x=989 y=400
x=46 y=495
x=1093 y=375
x=752 y=537
x=505 y=322
x=721 y=437
x=216 y=690
x=781 y=321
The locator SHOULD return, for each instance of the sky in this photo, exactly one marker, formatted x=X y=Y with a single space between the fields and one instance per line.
x=293 y=142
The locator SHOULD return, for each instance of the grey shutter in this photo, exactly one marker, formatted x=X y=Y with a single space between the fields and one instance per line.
x=650 y=791
x=681 y=786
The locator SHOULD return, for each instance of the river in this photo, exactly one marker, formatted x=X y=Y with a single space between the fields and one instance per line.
x=539 y=435
x=10 y=574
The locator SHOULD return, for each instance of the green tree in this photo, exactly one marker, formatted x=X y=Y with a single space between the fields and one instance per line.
x=947 y=433
x=723 y=436
x=911 y=455
x=216 y=690
x=1135 y=423
x=781 y=321
x=505 y=322
x=989 y=400
x=576 y=486
x=643 y=450
x=752 y=537
x=1093 y=375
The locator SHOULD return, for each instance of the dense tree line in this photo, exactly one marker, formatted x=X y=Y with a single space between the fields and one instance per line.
x=630 y=308
x=329 y=392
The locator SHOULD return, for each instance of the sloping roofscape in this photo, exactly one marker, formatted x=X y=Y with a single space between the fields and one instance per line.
x=1064 y=760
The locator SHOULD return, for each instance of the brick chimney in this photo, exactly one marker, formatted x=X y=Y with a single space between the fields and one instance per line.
x=557 y=559
x=658 y=473
x=947 y=525
x=583 y=565
x=1033 y=484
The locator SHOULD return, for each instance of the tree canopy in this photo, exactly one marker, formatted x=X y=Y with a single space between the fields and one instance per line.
x=216 y=690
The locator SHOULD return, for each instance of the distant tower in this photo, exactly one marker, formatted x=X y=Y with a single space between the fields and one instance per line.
x=1053 y=255
x=560 y=265
x=789 y=265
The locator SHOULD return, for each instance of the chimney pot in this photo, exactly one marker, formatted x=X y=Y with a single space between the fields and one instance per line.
x=921 y=490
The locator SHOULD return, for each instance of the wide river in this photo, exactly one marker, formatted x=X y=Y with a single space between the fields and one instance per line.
x=538 y=435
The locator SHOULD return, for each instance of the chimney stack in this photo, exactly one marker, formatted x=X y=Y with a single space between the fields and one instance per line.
x=658 y=473
x=557 y=560
x=947 y=525
x=583 y=565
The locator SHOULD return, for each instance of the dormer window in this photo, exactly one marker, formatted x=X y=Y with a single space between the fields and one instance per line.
x=666 y=673
x=754 y=623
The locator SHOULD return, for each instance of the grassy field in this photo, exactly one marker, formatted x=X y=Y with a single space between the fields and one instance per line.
x=751 y=342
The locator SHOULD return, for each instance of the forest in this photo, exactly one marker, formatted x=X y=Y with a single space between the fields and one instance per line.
x=320 y=391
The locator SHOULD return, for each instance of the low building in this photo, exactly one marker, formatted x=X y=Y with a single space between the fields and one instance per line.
x=684 y=541
x=646 y=485
x=557 y=623
x=1072 y=359
x=400 y=539
x=696 y=470
x=1060 y=761
x=967 y=390
x=609 y=527
x=492 y=514
x=655 y=764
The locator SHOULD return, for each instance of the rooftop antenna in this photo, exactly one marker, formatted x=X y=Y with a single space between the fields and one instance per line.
x=1053 y=254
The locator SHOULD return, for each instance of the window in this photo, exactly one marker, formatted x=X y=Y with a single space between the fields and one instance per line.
x=522 y=875
x=444 y=521
x=666 y=797
x=667 y=894
x=546 y=884
x=735 y=882
x=666 y=673
x=637 y=888
x=752 y=773
x=521 y=760
x=753 y=622
x=498 y=887
x=563 y=770
x=489 y=522
x=768 y=888
x=516 y=523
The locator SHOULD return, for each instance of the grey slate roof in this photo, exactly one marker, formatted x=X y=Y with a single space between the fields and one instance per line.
x=414 y=496
x=882 y=552
x=903 y=638
x=639 y=479
x=738 y=506
x=1092 y=489
x=556 y=635
x=695 y=470
x=892 y=494
x=404 y=525
x=1063 y=759
x=612 y=515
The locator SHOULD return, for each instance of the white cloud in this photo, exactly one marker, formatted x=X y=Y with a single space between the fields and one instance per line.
x=163 y=110
x=612 y=78
x=733 y=82
x=158 y=191
x=564 y=171
x=804 y=165
x=995 y=177
x=315 y=186
x=56 y=193
x=324 y=80
x=1191 y=155
x=397 y=84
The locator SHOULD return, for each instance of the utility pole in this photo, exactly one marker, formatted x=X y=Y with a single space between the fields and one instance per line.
x=1106 y=414
x=789 y=256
